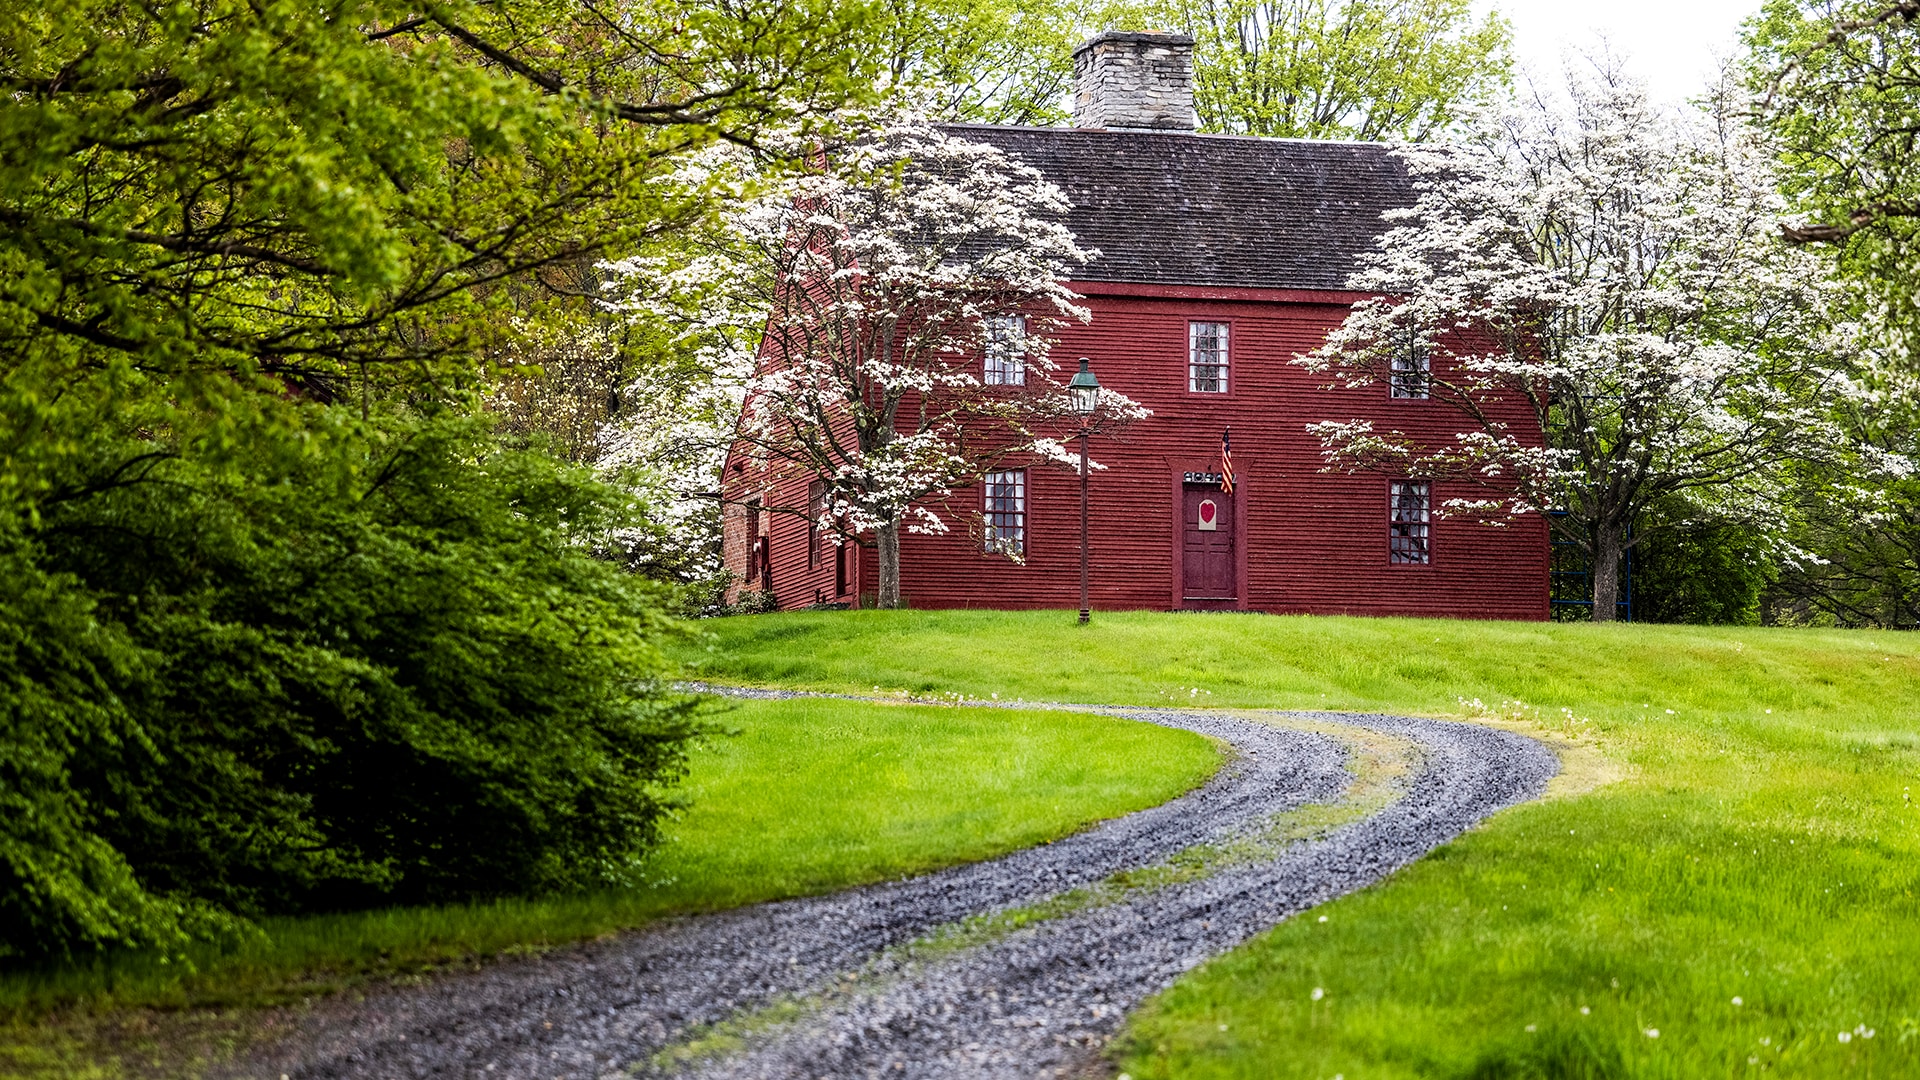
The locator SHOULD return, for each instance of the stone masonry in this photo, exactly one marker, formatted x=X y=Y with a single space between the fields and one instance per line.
x=1134 y=81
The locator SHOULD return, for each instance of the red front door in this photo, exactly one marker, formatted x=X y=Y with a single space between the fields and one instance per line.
x=1207 y=555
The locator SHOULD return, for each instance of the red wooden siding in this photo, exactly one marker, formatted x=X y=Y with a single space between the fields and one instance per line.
x=1308 y=541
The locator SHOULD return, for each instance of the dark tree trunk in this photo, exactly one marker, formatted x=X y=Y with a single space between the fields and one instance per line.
x=1606 y=571
x=887 y=543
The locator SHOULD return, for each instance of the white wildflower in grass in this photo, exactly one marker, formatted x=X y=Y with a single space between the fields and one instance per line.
x=1531 y=1027
x=1737 y=1001
x=1318 y=993
x=1651 y=1033
x=1323 y=918
x=1846 y=1036
x=1584 y=1010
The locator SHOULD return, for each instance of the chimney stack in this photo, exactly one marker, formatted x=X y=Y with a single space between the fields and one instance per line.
x=1134 y=82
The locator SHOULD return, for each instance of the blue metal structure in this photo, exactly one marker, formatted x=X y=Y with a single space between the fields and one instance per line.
x=1569 y=578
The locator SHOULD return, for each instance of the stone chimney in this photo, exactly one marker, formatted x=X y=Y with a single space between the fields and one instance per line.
x=1134 y=81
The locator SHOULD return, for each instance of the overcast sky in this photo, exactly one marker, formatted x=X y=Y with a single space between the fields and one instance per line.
x=1673 y=44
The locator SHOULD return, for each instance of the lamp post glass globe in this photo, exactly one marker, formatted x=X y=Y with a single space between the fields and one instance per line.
x=1085 y=390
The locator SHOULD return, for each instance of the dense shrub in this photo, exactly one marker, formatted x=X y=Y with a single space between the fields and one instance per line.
x=1713 y=575
x=360 y=663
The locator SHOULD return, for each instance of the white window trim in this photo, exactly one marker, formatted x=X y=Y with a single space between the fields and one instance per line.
x=1005 y=527
x=1222 y=369
x=1418 y=530
x=1005 y=362
x=1410 y=372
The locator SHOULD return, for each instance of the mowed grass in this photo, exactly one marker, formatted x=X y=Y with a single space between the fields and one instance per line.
x=1761 y=840
x=805 y=796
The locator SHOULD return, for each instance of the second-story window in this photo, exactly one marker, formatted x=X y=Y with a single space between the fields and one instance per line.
x=1408 y=373
x=1005 y=511
x=1207 y=357
x=1006 y=351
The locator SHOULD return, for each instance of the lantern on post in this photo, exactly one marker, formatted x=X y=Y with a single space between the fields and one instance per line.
x=1085 y=392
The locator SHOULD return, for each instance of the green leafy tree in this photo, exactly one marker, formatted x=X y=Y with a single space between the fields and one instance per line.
x=1836 y=86
x=986 y=61
x=281 y=626
x=1340 y=69
x=1716 y=575
x=309 y=190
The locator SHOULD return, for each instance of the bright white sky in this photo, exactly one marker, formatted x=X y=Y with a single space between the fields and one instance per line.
x=1673 y=44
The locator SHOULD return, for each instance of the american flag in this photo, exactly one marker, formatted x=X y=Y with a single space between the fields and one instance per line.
x=1226 y=463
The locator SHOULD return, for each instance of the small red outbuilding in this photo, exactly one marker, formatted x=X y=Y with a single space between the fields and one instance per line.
x=1221 y=259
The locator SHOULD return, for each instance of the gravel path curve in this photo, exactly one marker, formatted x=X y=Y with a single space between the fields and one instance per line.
x=832 y=987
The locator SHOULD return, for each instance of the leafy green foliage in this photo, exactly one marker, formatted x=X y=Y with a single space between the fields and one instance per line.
x=281 y=630
x=381 y=665
x=987 y=61
x=307 y=189
x=1837 y=84
x=1837 y=88
x=1868 y=573
x=1340 y=69
x=1715 y=575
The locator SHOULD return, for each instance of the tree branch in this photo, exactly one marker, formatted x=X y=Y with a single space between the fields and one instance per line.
x=1858 y=219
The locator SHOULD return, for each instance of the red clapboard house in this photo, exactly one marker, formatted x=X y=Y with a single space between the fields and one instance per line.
x=1222 y=258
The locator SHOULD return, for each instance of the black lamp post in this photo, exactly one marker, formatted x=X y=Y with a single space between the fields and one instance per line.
x=1085 y=391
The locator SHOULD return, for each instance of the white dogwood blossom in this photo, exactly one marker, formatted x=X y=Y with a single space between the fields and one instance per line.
x=1613 y=272
x=857 y=301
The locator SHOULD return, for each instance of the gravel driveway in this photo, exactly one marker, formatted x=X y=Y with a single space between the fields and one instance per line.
x=1022 y=966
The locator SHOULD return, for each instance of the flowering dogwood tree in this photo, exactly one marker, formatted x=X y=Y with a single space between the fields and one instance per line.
x=859 y=301
x=1617 y=270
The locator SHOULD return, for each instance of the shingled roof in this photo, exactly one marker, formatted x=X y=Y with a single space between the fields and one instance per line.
x=1178 y=208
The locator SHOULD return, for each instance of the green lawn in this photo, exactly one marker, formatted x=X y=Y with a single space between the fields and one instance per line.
x=1763 y=843
x=807 y=796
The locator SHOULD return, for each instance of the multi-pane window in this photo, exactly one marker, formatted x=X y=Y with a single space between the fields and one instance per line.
x=1408 y=372
x=1005 y=512
x=1207 y=357
x=816 y=521
x=1409 y=513
x=1006 y=350
x=754 y=539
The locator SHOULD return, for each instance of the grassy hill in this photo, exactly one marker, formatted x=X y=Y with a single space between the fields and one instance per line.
x=1740 y=899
